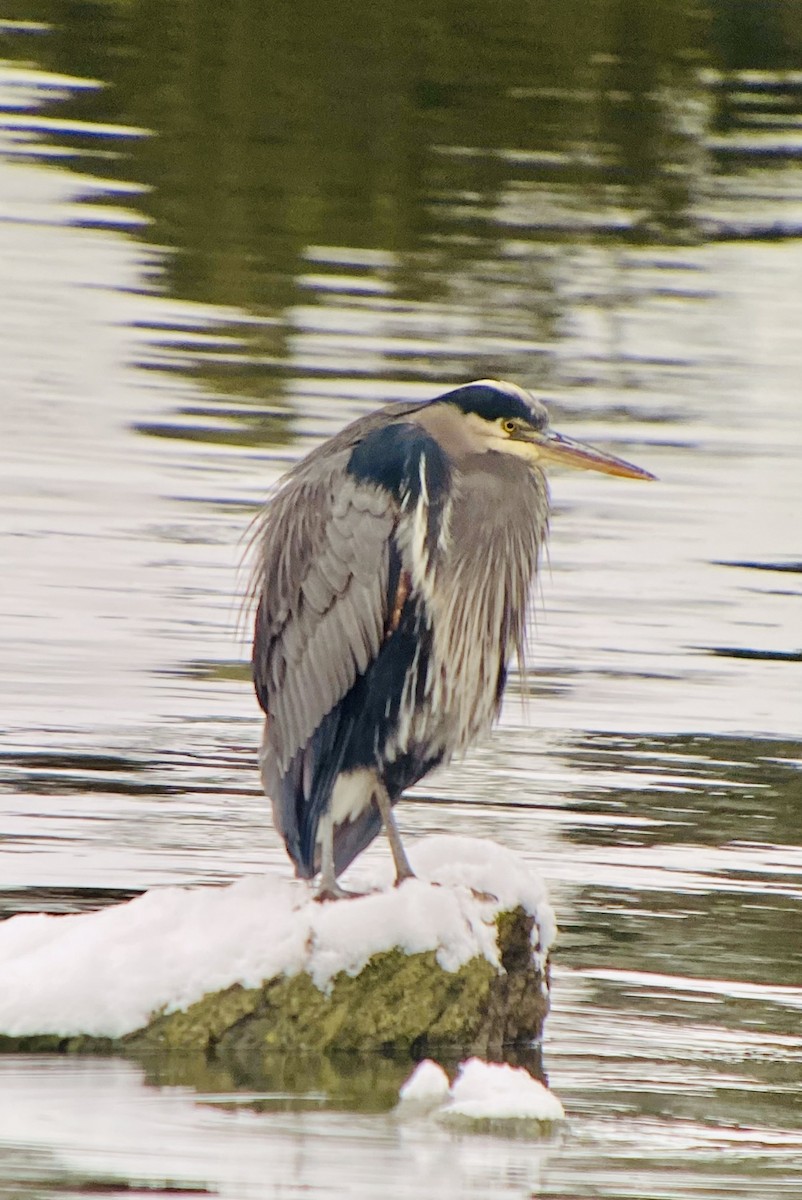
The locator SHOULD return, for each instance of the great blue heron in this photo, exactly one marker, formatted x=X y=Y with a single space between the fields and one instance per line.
x=394 y=569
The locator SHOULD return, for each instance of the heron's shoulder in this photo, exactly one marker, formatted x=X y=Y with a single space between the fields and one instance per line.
x=331 y=456
x=401 y=458
x=356 y=431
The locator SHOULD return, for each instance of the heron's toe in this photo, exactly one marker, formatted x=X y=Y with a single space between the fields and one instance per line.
x=333 y=891
x=401 y=876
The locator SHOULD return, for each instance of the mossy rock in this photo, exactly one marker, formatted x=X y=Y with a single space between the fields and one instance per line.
x=397 y=1002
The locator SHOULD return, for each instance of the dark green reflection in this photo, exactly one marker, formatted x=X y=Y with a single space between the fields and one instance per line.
x=434 y=133
x=367 y=1083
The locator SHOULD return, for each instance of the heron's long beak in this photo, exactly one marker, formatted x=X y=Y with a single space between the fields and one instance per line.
x=553 y=447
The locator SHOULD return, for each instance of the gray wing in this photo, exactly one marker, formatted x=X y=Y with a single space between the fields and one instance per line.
x=324 y=563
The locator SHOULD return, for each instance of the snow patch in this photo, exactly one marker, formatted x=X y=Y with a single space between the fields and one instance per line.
x=105 y=973
x=426 y=1088
x=482 y=1093
x=497 y=1092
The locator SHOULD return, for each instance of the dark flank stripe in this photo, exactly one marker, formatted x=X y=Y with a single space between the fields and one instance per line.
x=356 y=734
x=372 y=715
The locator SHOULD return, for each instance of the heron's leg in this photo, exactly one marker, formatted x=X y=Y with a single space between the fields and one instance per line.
x=328 y=888
x=402 y=868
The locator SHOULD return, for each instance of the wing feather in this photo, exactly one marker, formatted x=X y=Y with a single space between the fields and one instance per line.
x=322 y=601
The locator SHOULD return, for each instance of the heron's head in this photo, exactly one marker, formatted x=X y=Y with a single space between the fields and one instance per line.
x=502 y=417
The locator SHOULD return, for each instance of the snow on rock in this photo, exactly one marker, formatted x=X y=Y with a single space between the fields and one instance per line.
x=482 y=1092
x=105 y=973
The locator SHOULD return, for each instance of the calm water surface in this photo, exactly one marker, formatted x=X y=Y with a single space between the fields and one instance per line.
x=222 y=237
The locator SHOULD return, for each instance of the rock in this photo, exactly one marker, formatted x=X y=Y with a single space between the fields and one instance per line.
x=454 y=959
x=397 y=1002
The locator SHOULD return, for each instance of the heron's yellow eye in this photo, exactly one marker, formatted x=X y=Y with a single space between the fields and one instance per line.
x=509 y=426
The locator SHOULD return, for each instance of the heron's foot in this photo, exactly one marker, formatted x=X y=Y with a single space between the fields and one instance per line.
x=333 y=891
x=480 y=895
x=403 y=874
x=484 y=897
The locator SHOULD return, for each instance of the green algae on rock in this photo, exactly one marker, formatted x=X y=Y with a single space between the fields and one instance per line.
x=456 y=958
x=397 y=1002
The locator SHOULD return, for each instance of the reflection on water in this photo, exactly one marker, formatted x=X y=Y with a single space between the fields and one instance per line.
x=221 y=238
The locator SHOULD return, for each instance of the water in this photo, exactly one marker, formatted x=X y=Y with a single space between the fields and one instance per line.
x=219 y=240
